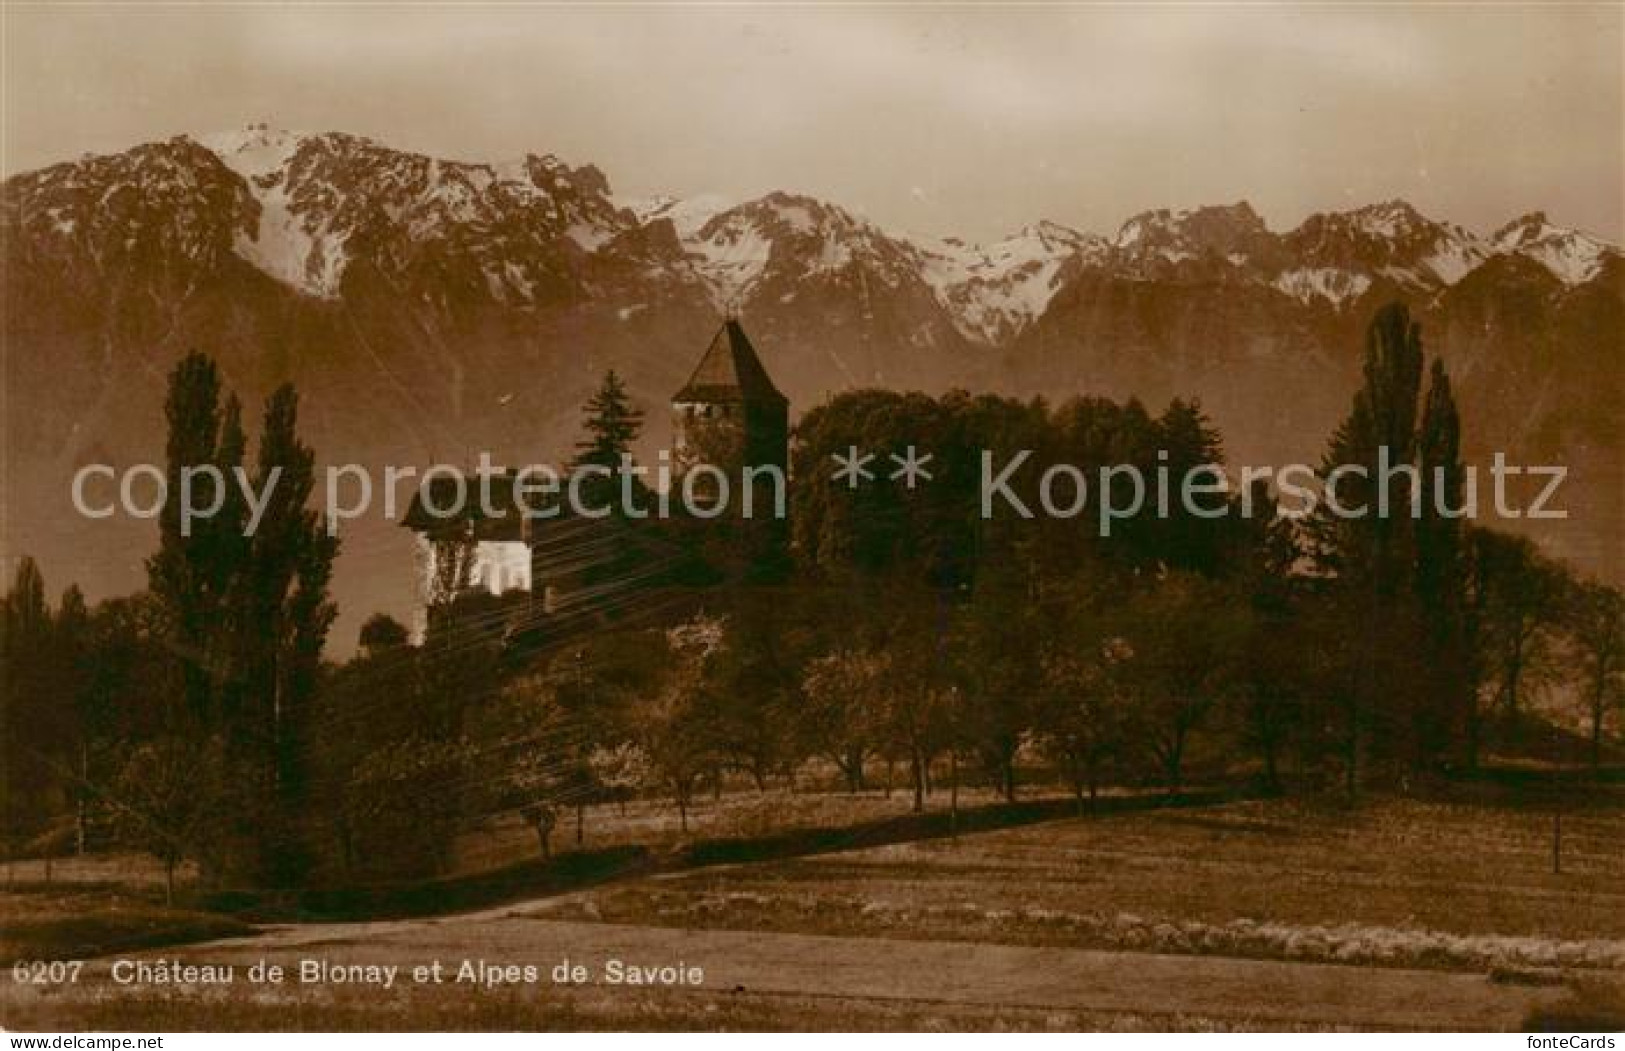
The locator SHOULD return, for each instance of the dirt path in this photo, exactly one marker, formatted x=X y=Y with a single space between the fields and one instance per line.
x=917 y=972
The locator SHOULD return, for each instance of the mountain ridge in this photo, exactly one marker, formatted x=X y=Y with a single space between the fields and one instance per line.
x=992 y=292
x=430 y=308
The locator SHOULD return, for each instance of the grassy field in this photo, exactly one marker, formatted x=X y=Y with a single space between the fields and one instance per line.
x=1391 y=883
x=1132 y=920
x=74 y=921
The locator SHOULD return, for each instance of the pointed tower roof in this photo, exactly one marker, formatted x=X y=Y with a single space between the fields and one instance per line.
x=730 y=371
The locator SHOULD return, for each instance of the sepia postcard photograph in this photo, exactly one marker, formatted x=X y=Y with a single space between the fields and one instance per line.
x=926 y=518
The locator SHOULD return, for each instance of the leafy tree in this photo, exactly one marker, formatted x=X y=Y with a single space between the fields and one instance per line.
x=1369 y=548
x=1180 y=638
x=90 y=720
x=841 y=690
x=194 y=572
x=998 y=679
x=282 y=614
x=620 y=771
x=1278 y=700
x=1523 y=605
x=917 y=705
x=756 y=678
x=883 y=529
x=1596 y=622
x=31 y=720
x=1443 y=708
x=382 y=634
x=1096 y=435
x=124 y=694
x=674 y=724
x=404 y=803
x=247 y=614
x=372 y=704
x=536 y=754
x=166 y=801
x=1082 y=713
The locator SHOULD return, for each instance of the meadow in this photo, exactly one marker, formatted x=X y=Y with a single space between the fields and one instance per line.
x=1273 y=913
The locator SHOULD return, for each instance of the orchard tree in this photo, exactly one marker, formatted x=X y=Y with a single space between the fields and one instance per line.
x=1596 y=625
x=675 y=722
x=166 y=802
x=1181 y=635
x=843 y=690
x=1082 y=713
x=1523 y=608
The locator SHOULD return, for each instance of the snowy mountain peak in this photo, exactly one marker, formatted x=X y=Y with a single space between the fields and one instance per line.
x=253 y=150
x=995 y=291
x=1572 y=256
x=792 y=214
x=316 y=192
x=687 y=214
x=170 y=200
x=1389 y=219
x=1391 y=240
x=1173 y=236
x=777 y=238
x=1522 y=230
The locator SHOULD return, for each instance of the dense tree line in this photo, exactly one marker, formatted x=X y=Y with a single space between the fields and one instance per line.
x=917 y=641
x=897 y=636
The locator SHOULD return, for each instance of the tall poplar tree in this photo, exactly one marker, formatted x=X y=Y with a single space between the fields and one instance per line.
x=245 y=614
x=1369 y=545
x=283 y=616
x=191 y=573
x=1447 y=710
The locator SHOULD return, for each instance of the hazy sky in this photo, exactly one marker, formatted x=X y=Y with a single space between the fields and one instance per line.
x=973 y=120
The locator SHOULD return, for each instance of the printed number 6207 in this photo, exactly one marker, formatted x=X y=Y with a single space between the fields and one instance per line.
x=46 y=972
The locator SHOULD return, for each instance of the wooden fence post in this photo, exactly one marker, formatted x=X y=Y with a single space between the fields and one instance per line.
x=1557 y=842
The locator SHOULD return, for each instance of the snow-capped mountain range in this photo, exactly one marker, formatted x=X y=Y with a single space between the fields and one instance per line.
x=428 y=308
x=300 y=204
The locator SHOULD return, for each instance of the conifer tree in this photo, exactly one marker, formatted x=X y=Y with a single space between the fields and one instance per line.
x=611 y=423
x=1188 y=443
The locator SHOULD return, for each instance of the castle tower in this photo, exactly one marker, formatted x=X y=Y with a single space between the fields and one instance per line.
x=729 y=413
